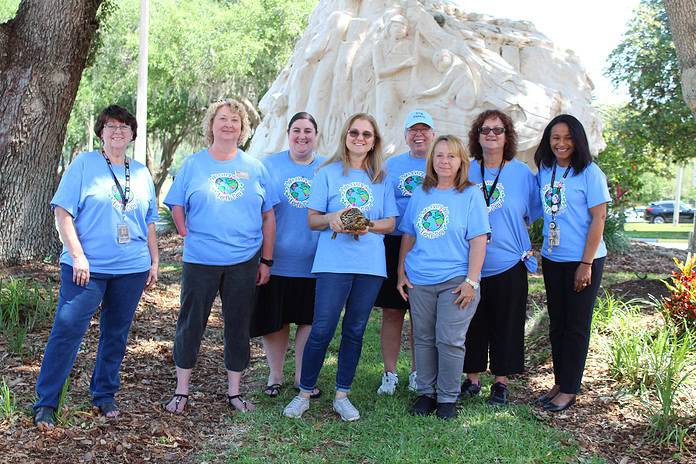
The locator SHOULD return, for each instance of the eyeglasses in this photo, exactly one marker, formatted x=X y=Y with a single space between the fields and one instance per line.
x=413 y=131
x=118 y=127
x=485 y=130
x=354 y=134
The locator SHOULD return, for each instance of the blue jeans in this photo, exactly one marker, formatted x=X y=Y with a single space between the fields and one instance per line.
x=357 y=292
x=119 y=295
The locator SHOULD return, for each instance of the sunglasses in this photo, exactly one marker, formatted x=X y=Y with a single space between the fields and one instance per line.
x=354 y=134
x=485 y=130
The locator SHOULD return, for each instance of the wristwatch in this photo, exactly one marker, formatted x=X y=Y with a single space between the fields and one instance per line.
x=475 y=285
x=267 y=262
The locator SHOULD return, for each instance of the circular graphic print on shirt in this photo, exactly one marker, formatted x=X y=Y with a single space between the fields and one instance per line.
x=556 y=196
x=356 y=195
x=497 y=197
x=433 y=221
x=117 y=200
x=297 y=190
x=408 y=182
x=226 y=186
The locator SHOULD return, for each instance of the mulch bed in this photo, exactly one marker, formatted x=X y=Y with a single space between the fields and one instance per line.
x=605 y=423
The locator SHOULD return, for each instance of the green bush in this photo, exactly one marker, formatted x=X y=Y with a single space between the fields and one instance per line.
x=23 y=306
x=166 y=217
x=536 y=232
x=614 y=235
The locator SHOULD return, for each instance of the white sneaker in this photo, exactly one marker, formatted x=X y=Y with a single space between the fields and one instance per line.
x=412 y=386
x=345 y=409
x=389 y=383
x=296 y=407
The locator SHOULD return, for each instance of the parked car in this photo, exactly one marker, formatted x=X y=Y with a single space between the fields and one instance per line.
x=663 y=211
x=635 y=214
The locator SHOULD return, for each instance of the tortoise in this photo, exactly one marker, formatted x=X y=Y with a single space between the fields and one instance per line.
x=354 y=220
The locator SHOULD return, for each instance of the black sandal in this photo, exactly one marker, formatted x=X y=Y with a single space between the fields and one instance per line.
x=239 y=397
x=105 y=409
x=177 y=397
x=44 y=418
x=273 y=390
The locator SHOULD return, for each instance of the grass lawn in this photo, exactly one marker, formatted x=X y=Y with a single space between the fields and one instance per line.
x=658 y=231
x=386 y=432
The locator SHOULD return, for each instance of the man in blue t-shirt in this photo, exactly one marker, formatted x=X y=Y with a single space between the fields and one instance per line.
x=405 y=172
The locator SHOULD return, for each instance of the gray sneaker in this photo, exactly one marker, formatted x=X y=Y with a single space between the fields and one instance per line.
x=296 y=407
x=345 y=409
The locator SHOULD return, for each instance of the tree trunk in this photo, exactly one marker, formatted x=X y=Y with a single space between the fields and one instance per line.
x=43 y=52
x=682 y=22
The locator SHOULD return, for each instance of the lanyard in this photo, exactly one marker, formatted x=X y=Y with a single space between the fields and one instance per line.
x=124 y=192
x=556 y=197
x=487 y=195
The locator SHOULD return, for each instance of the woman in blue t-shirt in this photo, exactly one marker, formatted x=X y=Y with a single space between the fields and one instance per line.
x=222 y=203
x=106 y=210
x=496 y=333
x=442 y=252
x=350 y=268
x=574 y=196
x=288 y=298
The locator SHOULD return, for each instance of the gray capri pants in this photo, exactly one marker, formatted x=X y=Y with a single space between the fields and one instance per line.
x=200 y=285
x=439 y=334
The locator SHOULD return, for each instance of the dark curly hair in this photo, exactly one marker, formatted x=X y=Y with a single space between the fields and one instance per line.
x=581 y=156
x=118 y=113
x=510 y=149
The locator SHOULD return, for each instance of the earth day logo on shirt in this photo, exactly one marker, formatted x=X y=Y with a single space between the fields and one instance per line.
x=356 y=195
x=226 y=186
x=297 y=190
x=556 y=196
x=408 y=182
x=117 y=200
x=433 y=220
x=497 y=197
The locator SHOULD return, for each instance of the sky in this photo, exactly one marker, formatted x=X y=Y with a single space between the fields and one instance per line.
x=592 y=29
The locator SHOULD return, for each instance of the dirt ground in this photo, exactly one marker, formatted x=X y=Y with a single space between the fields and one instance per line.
x=606 y=422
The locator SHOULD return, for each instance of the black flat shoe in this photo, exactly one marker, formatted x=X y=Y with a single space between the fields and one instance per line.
x=446 y=411
x=544 y=399
x=423 y=406
x=550 y=407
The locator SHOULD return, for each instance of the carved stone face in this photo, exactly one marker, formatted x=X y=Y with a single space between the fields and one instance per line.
x=397 y=28
x=442 y=60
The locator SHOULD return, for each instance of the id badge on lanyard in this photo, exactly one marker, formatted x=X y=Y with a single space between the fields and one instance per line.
x=554 y=238
x=122 y=232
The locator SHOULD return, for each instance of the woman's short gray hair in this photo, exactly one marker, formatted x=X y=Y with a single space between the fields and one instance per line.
x=236 y=107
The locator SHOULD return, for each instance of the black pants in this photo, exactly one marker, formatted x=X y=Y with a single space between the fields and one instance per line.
x=570 y=318
x=200 y=285
x=498 y=325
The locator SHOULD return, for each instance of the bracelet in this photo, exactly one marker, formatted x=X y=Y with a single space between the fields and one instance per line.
x=585 y=262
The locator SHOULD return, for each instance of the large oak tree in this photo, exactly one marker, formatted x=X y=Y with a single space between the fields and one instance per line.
x=682 y=22
x=43 y=51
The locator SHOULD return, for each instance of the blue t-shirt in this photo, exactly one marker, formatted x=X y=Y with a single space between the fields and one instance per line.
x=223 y=202
x=331 y=192
x=443 y=222
x=577 y=195
x=88 y=192
x=513 y=206
x=295 y=243
x=404 y=173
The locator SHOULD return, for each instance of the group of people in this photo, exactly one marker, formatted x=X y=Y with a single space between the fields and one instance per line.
x=448 y=241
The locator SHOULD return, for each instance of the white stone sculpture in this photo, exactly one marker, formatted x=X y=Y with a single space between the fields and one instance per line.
x=389 y=57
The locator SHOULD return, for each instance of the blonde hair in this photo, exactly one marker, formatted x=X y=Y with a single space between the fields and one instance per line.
x=236 y=107
x=374 y=160
x=456 y=146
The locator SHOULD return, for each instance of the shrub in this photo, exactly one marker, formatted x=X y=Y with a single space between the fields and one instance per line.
x=536 y=232
x=680 y=305
x=23 y=305
x=165 y=215
x=614 y=235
